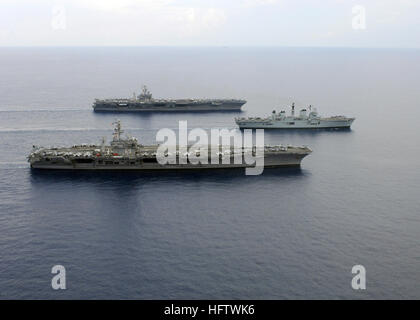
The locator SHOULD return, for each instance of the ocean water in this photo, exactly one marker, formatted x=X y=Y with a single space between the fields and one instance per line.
x=287 y=234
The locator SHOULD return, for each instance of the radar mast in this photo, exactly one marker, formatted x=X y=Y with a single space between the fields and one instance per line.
x=117 y=130
x=145 y=94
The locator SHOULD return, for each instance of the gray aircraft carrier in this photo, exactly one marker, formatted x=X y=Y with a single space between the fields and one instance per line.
x=145 y=102
x=302 y=121
x=129 y=154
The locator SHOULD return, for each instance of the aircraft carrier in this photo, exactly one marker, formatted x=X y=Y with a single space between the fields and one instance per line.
x=302 y=121
x=146 y=102
x=129 y=154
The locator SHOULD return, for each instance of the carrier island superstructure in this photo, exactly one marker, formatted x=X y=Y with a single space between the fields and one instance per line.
x=146 y=102
x=304 y=120
x=128 y=154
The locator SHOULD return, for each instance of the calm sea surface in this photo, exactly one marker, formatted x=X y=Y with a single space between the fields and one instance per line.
x=282 y=235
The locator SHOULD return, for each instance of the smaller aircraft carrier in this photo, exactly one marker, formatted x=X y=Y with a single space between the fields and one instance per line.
x=302 y=121
x=145 y=102
x=128 y=154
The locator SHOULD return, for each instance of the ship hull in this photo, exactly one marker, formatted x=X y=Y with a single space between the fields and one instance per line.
x=148 y=107
x=270 y=161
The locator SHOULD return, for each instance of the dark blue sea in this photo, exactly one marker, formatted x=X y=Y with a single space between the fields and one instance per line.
x=287 y=234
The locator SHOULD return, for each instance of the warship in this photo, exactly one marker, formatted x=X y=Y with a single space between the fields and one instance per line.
x=302 y=121
x=128 y=154
x=145 y=102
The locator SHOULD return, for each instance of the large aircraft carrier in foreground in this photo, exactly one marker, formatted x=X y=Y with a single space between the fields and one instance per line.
x=145 y=102
x=128 y=154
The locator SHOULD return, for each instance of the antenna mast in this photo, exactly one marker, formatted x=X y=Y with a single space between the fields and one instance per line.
x=117 y=130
